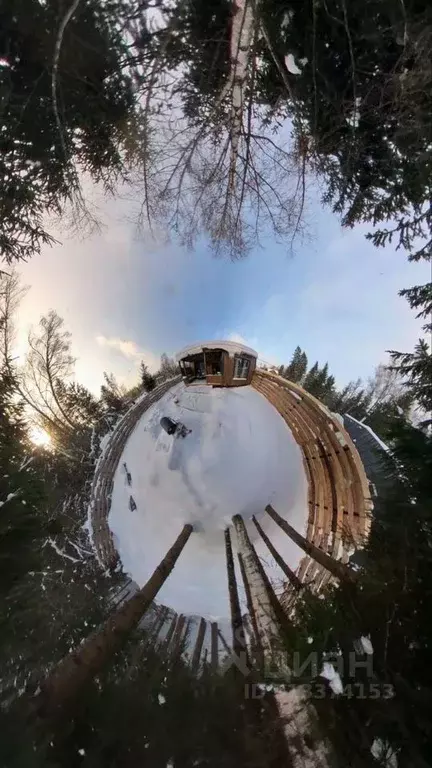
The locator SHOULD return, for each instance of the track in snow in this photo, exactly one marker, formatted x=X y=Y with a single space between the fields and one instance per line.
x=239 y=457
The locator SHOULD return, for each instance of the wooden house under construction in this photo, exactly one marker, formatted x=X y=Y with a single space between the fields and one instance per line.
x=218 y=363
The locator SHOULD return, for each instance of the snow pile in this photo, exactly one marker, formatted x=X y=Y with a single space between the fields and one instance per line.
x=384 y=753
x=232 y=347
x=371 y=432
x=366 y=645
x=291 y=65
x=239 y=457
x=333 y=677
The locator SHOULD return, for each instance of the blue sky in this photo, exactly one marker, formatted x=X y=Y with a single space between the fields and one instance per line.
x=125 y=298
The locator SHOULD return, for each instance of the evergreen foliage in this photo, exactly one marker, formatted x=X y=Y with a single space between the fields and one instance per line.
x=81 y=94
x=147 y=380
x=113 y=396
x=390 y=605
x=296 y=369
x=359 y=102
x=52 y=588
x=23 y=524
x=149 y=708
x=420 y=297
x=416 y=368
x=67 y=108
x=381 y=400
x=309 y=380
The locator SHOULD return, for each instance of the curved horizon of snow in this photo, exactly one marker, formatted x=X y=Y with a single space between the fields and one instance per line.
x=239 y=457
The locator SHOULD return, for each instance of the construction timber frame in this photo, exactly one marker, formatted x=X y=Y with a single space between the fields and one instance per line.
x=339 y=501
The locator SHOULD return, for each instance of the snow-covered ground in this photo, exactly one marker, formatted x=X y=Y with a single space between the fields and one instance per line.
x=239 y=457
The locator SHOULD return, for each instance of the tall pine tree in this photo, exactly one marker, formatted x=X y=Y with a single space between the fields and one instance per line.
x=67 y=109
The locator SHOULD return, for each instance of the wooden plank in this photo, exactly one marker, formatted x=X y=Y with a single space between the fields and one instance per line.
x=346 y=490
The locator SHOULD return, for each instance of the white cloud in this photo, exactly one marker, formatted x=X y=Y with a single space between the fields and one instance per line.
x=237 y=338
x=253 y=342
x=130 y=350
x=126 y=347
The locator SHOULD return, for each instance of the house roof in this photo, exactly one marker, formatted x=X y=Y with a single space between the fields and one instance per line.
x=232 y=347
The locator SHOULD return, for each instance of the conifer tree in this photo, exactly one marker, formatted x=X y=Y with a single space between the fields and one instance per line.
x=416 y=368
x=67 y=108
x=420 y=297
x=22 y=523
x=310 y=379
x=147 y=380
x=296 y=369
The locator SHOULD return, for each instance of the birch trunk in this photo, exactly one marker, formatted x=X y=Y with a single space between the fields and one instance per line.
x=239 y=642
x=257 y=649
x=267 y=621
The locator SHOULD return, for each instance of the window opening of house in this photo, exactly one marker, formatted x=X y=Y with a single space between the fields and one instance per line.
x=241 y=367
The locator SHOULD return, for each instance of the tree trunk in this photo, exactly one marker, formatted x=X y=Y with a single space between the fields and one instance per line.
x=198 y=647
x=242 y=32
x=204 y=661
x=150 y=626
x=121 y=592
x=263 y=599
x=293 y=579
x=227 y=649
x=338 y=569
x=177 y=639
x=78 y=668
x=170 y=632
x=187 y=631
x=214 y=646
x=160 y=621
x=257 y=650
x=239 y=642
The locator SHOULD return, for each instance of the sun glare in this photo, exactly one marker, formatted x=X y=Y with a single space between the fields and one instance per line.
x=39 y=436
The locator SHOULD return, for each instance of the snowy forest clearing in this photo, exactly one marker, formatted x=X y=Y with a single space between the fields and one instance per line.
x=239 y=457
